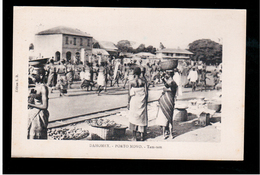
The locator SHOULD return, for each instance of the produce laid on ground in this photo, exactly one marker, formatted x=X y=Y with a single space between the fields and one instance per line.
x=101 y=122
x=67 y=134
x=193 y=114
x=205 y=103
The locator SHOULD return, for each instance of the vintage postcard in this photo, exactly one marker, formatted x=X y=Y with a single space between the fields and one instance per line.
x=128 y=83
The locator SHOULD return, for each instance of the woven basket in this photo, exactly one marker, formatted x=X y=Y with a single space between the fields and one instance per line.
x=38 y=62
x=169 y=64
x=101 y=133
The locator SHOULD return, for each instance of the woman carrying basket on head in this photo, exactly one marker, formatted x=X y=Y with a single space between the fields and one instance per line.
x=166 y=103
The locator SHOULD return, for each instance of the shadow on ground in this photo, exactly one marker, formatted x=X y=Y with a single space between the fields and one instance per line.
x=154 y=133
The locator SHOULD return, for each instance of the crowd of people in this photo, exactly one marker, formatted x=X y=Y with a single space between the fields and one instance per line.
x=135 y=76
x=94 y=74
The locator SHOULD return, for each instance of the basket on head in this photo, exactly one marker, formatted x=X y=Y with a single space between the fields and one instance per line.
x=169 y=64
x=39 y=62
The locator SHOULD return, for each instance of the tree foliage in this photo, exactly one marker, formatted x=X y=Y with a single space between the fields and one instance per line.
x=150 y=49
x=96 y=45
x=140 y=48
x=206 y=50
x=125 y=46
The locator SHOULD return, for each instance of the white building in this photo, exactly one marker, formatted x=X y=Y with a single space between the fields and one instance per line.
x=178 y=54
x=63 y=43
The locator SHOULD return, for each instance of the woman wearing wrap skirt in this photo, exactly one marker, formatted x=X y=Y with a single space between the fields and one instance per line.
x=69 y=74
x=166 y=104
x=38 y=110
x=129 y=73
x=137 y=104
x=62 y=82
x=51 y=82
x=101 y=81
x=85 y=75
x=117 y=73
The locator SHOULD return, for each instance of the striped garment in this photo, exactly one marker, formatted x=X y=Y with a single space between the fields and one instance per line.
x=166 y=102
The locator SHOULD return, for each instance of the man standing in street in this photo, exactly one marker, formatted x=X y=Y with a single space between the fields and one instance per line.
x=193 y=77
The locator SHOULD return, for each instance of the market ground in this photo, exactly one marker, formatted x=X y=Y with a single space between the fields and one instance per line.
x=187 y=131
x=81 y=102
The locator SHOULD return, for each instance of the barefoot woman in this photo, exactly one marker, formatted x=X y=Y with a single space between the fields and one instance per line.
x=166 y=102
x=137 y=104
x=101 y=81
x=38 y=109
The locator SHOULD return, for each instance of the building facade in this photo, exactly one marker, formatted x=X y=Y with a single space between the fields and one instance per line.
x=110 y=47
x=64 y=43
x=178 y=54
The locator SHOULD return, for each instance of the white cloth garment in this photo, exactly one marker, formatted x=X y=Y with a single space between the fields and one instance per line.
x=193 y=76
x=177 y=79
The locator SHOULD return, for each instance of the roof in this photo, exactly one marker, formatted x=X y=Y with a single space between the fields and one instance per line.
x=145 y=54
x=99 y=51
x=127 y=54
x=169 y=50
x=109 y=46
x=63 y=30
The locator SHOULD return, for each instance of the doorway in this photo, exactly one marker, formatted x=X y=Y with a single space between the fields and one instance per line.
x=57 y=56
x=68 y=56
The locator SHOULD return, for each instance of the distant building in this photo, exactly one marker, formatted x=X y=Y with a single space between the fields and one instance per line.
x=126 y=54
x=64 y=43
x=110 y=47
x=168 y=53
x=100 y=55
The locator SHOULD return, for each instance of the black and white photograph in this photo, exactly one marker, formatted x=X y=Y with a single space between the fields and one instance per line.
x=137 y=80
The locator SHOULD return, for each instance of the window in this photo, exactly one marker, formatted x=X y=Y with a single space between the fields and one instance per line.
x=74 y=41
x=88 y=42
x=67 y=40
x=81 y=41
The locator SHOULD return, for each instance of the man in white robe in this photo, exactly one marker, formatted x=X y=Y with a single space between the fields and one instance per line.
x=193 y=77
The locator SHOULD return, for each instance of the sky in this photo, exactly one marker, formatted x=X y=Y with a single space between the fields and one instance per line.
x=150 y=26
